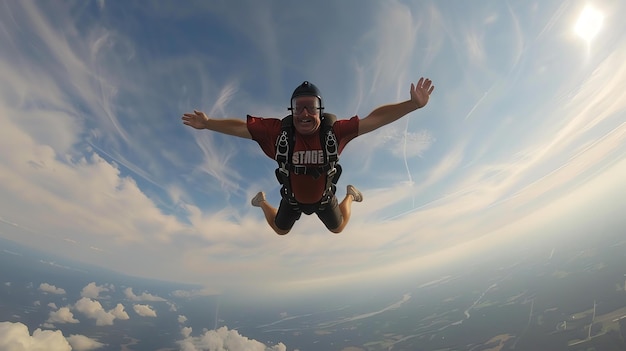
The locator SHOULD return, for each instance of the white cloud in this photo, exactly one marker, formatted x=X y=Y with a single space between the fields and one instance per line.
x=83 y=343
x=94 y=310
x=53 y=305
x=62 y=315
x=173 y=307
x=45 y=287
x=143 y=297
x=93 y=291
x=223 y=339
x=194 y=293
x=16 y=337
x=182 y=319
x=144 y=310
x=119 y=312
x=186 y=332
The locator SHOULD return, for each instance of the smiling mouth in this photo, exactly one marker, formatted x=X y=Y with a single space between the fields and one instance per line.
x=305 y=120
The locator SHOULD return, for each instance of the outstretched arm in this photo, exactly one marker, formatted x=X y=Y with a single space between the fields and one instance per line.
x=386 y=114
x=200 y=120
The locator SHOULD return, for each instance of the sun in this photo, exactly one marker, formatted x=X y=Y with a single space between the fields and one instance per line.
x=589 y=23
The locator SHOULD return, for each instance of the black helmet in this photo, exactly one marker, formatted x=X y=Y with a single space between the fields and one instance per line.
x=307 y=89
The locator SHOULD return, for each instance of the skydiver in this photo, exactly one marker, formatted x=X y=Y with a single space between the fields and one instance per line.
x=306 y=171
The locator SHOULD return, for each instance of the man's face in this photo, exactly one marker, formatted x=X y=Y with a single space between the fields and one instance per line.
x=306 y=114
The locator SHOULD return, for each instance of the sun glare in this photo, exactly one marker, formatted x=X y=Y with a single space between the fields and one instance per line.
x=589 y=23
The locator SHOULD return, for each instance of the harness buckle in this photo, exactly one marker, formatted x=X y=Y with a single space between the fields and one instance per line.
x=331 y=172
x=299 y=169
x=283 y=170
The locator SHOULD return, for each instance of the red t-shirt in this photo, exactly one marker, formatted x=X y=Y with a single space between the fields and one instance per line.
x=307 y=151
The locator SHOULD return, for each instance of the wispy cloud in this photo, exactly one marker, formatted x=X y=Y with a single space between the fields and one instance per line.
x=93 y=148
x=128 y=292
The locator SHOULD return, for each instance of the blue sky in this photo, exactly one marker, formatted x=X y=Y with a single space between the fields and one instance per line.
x=523 y=138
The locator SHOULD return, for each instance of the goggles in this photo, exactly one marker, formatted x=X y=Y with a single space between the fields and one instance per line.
x=309 y=103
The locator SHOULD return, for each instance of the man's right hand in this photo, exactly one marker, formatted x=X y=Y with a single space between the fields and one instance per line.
x=197 y=119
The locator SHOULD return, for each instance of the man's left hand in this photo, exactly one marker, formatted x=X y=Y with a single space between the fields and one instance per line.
x=420 y=93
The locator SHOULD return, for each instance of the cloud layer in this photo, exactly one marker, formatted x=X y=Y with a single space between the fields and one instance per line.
x=15 y=336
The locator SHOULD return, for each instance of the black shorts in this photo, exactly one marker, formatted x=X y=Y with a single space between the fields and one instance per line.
x=287 y=215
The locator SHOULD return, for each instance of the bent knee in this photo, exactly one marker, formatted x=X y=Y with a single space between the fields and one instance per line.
x=281 y=231
x=336 y=230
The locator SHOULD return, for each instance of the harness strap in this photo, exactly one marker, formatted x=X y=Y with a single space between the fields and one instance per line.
x=313 y=171
x=284 y=149
x=330 y=148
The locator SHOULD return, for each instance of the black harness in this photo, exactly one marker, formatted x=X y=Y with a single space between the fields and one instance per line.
x=330 y=169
